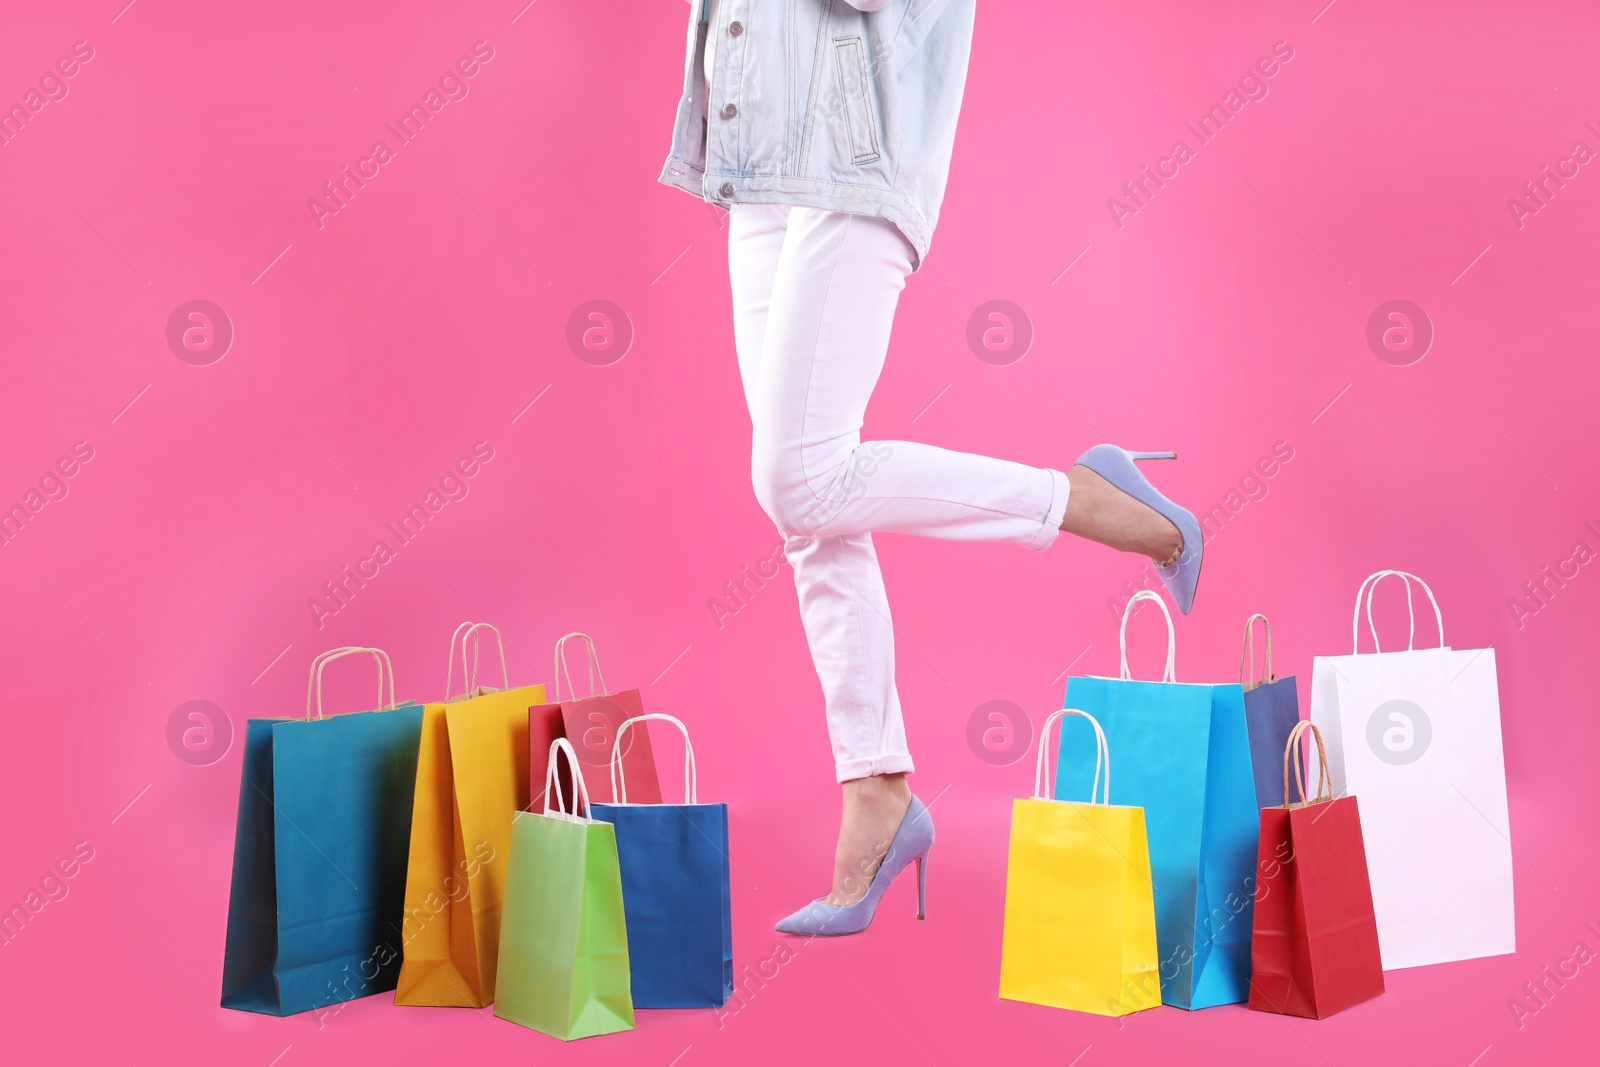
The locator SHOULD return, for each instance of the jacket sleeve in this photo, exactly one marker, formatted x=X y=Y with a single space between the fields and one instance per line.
x=868 y=5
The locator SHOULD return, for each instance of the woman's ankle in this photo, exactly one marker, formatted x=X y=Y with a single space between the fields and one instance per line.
x=873 y=809
x=878 y=792
x=1098 y=511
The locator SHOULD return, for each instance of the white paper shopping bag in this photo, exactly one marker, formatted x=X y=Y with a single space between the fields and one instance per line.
x=1416 y=734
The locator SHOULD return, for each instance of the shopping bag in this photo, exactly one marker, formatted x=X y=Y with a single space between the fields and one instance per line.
x=1186 y=753
x=544 y=726
x=472 y=776
x=1314 y=946
x=675 y=891
x=1416 y=733
x=591 y=724
x=1080 y=922
x=319 y=860
x=563 y=940
x=1271 y=710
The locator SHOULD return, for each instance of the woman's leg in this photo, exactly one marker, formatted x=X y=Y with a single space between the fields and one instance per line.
x=828 y=318
x=755 y=241
x=843 y=606
x=815 y=294
x=818 y=289
x=832 y=307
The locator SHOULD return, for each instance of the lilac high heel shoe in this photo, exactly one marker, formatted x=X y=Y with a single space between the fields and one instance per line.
x=1116 y=465
x=912 y=841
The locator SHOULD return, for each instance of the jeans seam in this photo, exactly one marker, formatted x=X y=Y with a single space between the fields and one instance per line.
x=863 y=680
x=821 y=531
x=811 y=359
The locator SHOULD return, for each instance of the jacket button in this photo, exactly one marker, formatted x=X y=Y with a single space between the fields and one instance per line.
x=735 y=29
x=729 y=112
x=727 y=189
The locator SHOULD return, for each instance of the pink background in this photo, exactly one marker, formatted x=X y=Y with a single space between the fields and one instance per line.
x=1226 y=316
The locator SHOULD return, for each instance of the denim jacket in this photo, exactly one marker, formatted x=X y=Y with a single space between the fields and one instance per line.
x=846 y=105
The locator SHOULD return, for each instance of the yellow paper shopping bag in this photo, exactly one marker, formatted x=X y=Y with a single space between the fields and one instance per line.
x=1080 y=922
x=472 y=778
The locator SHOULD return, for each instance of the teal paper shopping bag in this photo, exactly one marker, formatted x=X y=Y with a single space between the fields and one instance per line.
x=319 y=863
x=1187 y=754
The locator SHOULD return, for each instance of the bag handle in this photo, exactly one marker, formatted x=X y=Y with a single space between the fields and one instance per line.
x=1172 y=643
x=379 y=657
x=311 y=677
x=1102 y=756
x=562 y=670
x=1292 y=752
x=619 y=778
x=450 y=664
x=580 y=790
x=463 y=632
x=1247 y=662
x=1369 y=589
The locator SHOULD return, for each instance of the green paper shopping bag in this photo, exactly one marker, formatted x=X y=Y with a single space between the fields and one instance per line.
x=563 y=942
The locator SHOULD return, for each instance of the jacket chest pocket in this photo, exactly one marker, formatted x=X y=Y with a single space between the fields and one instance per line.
x=855 y=96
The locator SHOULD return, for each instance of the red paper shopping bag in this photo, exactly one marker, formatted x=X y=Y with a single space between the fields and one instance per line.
x=591 y=723
x=1314 y=943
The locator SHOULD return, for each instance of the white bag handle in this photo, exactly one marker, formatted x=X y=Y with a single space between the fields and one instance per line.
x=379 y=656
x=561 y=744
x=1102 y=756
x=561 y=666
x=1172 y=642
x=619 y=779
x=463 y=632
x=1369 y=589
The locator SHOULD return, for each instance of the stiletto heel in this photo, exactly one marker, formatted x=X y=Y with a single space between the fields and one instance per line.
x=912 y=841
x=1116 y=465
x=922 y=886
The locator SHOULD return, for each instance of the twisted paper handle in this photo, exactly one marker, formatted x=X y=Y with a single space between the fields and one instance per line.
x=1249 y=658
x=1102 y=756
x=619 y=778
x=1168 y=675
x=1369 y=589
x=561 y=669
x=464 y=632
x=379 y=657
x=1292 y=753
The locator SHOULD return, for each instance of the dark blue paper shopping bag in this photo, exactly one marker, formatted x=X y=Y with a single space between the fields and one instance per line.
x=675 y=891
x=1271 y=710
x=1184 y=757
x=319 y=860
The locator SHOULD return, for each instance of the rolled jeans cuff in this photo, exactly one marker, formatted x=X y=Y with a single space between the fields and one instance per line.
x=894 y=763
x=1050 y=529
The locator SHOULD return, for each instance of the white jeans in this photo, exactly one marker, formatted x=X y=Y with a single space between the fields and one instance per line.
x=814 y=294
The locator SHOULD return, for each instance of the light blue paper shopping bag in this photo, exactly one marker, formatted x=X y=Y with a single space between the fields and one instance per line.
x=1187 y=753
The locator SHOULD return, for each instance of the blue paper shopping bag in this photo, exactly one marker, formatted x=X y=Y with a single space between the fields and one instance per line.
x=674 y=860
x=1271 y=710
x=1187 y=753
x=319 y=860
